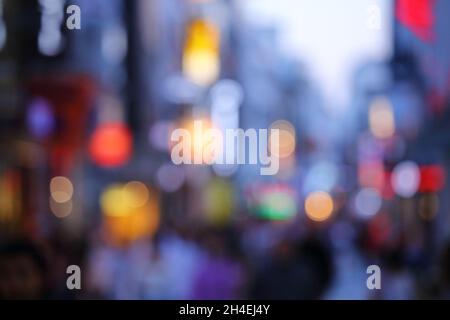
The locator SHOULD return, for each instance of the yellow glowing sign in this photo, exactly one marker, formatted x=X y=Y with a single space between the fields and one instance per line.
x=201 y=61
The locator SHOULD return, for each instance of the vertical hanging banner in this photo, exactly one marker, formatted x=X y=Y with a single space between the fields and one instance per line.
x=70 y=98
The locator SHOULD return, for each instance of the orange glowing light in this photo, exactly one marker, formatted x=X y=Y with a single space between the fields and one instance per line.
x=286 y=139
x=319 y=206
x=130 y=212
x=61 y=189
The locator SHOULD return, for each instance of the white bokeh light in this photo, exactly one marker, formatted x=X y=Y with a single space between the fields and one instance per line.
x=367 y=202
x=405 y=179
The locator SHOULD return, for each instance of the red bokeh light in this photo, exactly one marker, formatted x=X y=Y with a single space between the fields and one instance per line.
x=111 y=145
x=432 y=178
x=418 y=16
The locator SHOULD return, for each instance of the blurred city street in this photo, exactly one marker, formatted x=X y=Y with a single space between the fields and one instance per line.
x=225 y=149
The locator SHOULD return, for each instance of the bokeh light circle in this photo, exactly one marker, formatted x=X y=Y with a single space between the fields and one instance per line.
x=367 y=202
x=130 y=212
x=405 y=179
x=61 y=210
x=114 y=201
x=137 y=194
x=111 y=145
x=319 y=206
x=61 y=189
x=286 y=142
x=40 y=118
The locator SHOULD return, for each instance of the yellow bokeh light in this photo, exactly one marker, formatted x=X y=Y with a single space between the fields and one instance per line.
x=137 y=194
x=319 y=206
x=131 y=211
x=201 y=61
x=381 y=118
x=218 y=201
x=119 y=200
x=61 y=189
x=114 y=201
x=286 y=139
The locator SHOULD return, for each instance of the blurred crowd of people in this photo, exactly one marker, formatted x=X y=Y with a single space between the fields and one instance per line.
x=250 y=260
